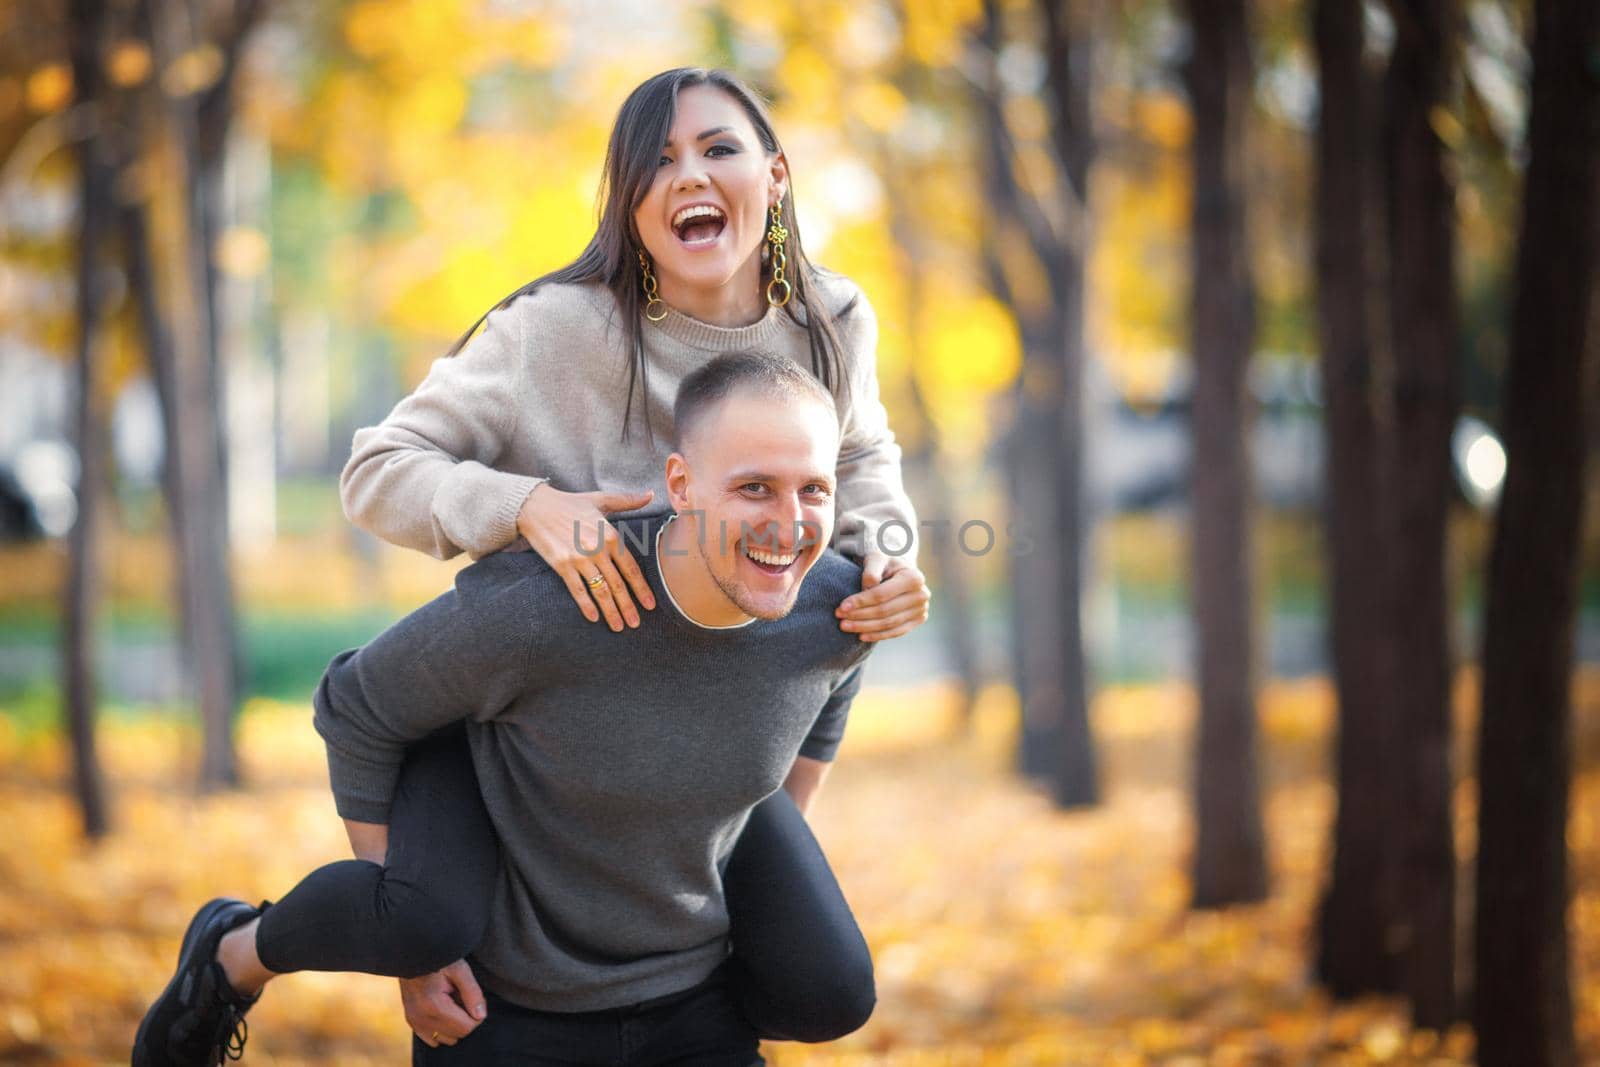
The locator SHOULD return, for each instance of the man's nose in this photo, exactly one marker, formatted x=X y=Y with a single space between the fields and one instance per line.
x=788 y=511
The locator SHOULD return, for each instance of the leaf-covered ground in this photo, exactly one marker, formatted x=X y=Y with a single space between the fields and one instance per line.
x=1004 y=932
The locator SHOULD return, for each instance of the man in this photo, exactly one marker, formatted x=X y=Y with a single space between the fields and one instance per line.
x=618 y=771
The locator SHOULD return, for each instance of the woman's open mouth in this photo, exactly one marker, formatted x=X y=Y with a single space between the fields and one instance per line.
x=699 y=225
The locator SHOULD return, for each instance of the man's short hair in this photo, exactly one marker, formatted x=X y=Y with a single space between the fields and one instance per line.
x=705 y=388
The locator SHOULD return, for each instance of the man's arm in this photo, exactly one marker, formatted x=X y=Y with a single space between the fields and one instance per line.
x=368 y=840
x=805 y=781
x=463 y=655
x=811 y=766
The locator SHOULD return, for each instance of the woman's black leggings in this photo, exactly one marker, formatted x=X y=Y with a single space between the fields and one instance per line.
x=800 y=968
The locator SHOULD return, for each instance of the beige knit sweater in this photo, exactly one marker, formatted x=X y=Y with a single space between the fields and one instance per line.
x=538 y=395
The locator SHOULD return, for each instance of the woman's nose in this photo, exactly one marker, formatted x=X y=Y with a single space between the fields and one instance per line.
x=691 y=175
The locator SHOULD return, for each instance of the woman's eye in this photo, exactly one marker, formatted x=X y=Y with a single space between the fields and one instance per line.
x=663 y=161
x=727 y=149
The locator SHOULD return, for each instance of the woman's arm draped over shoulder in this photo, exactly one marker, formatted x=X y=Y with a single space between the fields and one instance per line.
x=424 y=478
x=871 y=490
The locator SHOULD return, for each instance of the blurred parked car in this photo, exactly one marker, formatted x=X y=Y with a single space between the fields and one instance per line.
x=19 y=517
x=1140 y=451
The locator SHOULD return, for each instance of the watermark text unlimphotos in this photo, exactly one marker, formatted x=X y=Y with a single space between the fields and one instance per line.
x=973 y=537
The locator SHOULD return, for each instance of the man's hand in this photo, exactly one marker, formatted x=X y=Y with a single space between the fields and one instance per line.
x=893 y=601
x=445 y=1006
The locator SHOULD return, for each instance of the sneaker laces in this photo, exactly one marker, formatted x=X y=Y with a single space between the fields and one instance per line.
x=232 y=1033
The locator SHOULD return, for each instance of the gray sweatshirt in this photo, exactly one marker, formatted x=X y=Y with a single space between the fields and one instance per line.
x=618 y=769
x=538 y=395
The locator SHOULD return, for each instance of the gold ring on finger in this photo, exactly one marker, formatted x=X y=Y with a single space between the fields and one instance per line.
x=435 y=1037
x=596 y=580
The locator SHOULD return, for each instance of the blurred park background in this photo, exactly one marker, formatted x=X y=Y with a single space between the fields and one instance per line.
x=1238 y=352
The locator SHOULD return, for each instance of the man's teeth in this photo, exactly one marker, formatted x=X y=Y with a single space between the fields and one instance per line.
x=769 y=558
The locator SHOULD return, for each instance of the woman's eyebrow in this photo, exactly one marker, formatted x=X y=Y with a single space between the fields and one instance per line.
x=712 y=132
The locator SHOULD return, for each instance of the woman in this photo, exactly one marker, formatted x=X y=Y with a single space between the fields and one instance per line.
x=531 y=432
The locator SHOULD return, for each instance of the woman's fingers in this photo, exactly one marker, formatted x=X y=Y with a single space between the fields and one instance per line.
x=901 y=591
x=873 y=569
x=622 y=501
x=610 y=593
x=891 y=609
x=594 y=580
x=898 y=631
x=633 y=575
x=580 y=595
x=571 y=533
x=893 y=626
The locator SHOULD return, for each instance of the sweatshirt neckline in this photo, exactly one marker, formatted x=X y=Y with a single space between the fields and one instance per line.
x=661 y=576
x=693 y=331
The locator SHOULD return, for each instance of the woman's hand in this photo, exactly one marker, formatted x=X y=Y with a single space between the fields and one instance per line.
x=893 y=601
x=565 y=529
x=445 y=1006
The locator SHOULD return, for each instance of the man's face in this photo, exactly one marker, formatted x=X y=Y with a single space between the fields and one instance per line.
x=760 y=472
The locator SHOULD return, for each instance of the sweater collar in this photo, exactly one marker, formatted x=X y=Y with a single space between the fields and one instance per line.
x=661 y=576
x=694 y=332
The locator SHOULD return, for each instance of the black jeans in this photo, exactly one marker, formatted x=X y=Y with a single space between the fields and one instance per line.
x=699 y=1027
x=800 y=969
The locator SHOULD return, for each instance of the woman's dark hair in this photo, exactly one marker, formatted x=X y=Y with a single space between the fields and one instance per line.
x=637 y=137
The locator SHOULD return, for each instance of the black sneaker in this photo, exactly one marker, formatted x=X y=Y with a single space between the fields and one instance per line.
x=198 y=1021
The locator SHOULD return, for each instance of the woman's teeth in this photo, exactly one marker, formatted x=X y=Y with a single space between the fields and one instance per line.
x=699 y=225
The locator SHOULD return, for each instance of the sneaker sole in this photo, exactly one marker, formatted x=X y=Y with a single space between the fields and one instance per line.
x=202 y=918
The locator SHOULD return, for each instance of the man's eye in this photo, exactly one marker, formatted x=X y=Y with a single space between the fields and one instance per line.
x=754 y=487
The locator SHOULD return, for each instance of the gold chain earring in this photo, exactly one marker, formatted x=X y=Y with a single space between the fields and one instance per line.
x=655 y=308
x=776 y=238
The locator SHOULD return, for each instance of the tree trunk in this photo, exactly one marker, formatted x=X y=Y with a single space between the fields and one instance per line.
x=1522 y=1009
x=1354 y=921
x=1039 y=617
x=1229 y=858
x=1044 y=444
x=1039 y=674
x=85 y=28
x=199 y=517
x=1424 y=340
x=1075 y=783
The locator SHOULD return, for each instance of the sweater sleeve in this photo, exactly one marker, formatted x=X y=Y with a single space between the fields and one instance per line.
x=871 y=492
x=822 y=743
x=424 y=478
x=463 y=656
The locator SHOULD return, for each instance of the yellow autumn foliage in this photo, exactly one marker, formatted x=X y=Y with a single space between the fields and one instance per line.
x=1004 y=931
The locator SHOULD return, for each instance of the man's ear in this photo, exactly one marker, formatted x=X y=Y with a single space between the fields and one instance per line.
x=678 y=482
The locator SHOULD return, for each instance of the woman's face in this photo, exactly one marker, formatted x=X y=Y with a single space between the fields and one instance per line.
x=714 y=163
